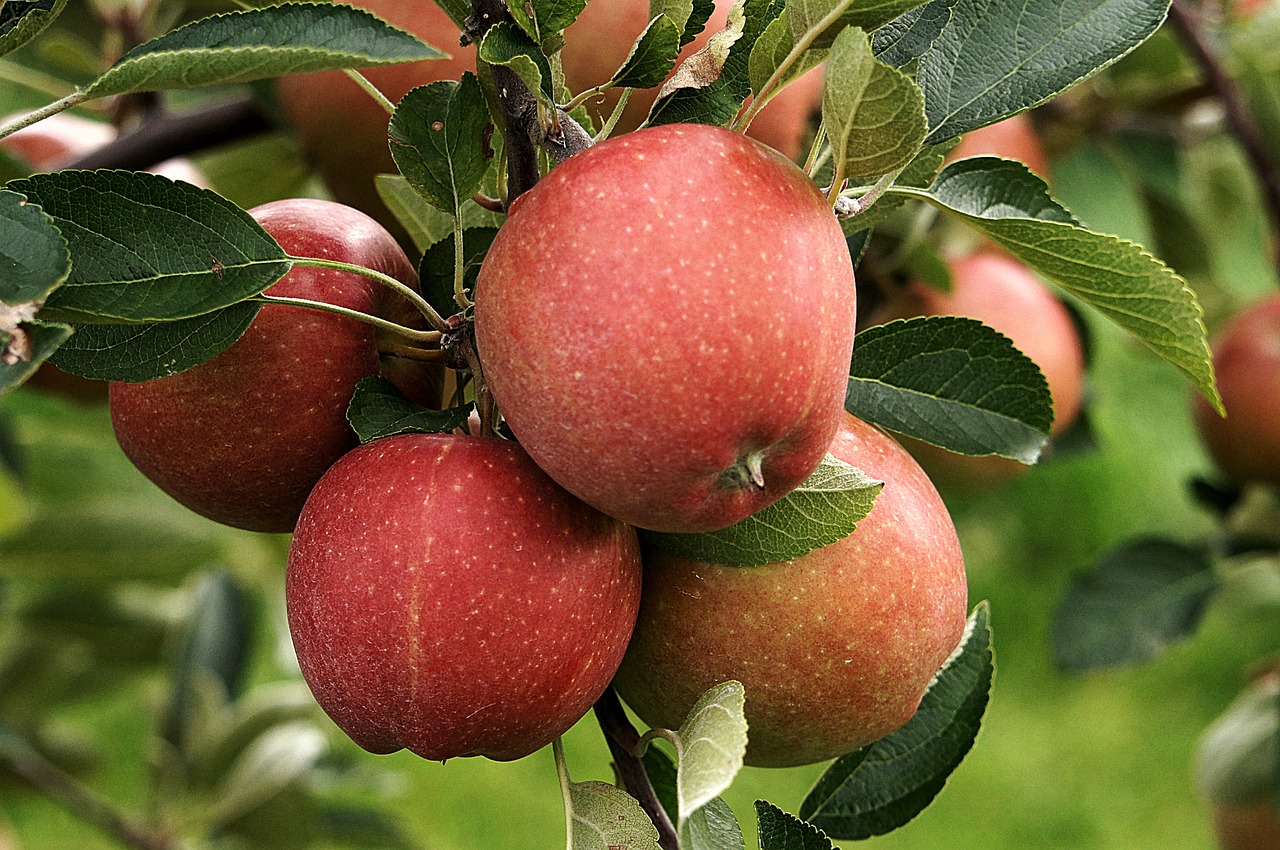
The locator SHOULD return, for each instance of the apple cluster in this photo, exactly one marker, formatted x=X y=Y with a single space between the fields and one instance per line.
x=665 y=324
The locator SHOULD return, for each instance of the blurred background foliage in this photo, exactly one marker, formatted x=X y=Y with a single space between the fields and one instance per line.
x=144 y=659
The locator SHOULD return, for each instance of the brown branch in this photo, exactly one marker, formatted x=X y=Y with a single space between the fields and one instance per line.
x=1189 y=26
x=622 y=738
x=164 y=136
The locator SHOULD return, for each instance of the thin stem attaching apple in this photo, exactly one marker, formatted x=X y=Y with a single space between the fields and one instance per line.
x=566 y=790
x=61 y=105
x=435 y=319
x=377 y=322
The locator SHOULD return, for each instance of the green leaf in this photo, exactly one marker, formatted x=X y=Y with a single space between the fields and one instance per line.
x=436 y=272
x=1236 y=758
x=825 y=508
x=906 y=38
x=237 y=47
x=953 y=382
x=436 y=141
x=34 y=259
x=1132 y=288
x=651 y=57
x=23 y=20
x=710 y=86
x=26 y=346
x=885 y=784
x=146 y=248
x=378 y=409
x=677 y=11
x=278 y=759
x=711 y=744
x=769 y=52
x=874 y=114
x=1143 y=596
x=428 y=226
x=998 y=57
x=816 y=21
x=508 y=45
x=607 y=818
x=140 y=352
x=549 y=18
x=782 y=831
x=712 y=827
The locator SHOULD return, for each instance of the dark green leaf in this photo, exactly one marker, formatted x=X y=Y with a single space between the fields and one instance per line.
x=25 y=347
x=782 y=831
x=1135 y=290
x=769 y=52
x=661 y=769
x=378 y=409
x=34 y=259
x=825 y=508
x=436 y=141
x=906 y=38
x=651 y=57
x=23 y=20
x=998 y=57
x=506 y=44
x=145 y=351
x=884 y=785
x=436 y=271
x=953 y=382
x=237 y=47
x=146 y=248
x=545 y=19
x=1142 y=597
x=215 y=648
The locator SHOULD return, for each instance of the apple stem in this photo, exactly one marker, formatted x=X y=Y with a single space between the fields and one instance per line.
x=422 y=355
x=74 y=99
x=392 y=327
x=408 y=292
x=623 y=739
x=370 y=89
x=748 y=471
x=562 y=773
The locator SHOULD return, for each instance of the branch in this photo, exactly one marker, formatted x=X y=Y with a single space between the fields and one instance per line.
x=622 y=739
x=1186 y=21
x=165 y=136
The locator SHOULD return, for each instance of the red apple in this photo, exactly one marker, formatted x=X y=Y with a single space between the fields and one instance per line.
x=242 y=438
x=447 y=597
x=1246 y=358
x=836 y=648
x=1013 y=138
x=666 y=322
x=996 y=289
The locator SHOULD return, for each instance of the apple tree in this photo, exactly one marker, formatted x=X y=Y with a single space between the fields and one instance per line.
x=580 y=409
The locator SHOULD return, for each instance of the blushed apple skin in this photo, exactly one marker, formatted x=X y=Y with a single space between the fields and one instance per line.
x=661 y=307
x=836 y=648
x=1246 y=358
x=242 y=438
x=447 y=597
x=1001 y=292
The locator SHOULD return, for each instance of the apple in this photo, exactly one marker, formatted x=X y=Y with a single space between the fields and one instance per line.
x=836 y=648
x=447 y=597
x=1000 y=291
x=1014 y=137
x=1247 y=827
x=666 y=322
x=242 y=438
x=1246 y=357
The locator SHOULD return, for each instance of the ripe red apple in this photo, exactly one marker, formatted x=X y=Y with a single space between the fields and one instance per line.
x=836 y=648
x=1013 y=138
x=1246 y=358
x=447 y=597
x=666 y=322
x=242 y=438
x=995 y=288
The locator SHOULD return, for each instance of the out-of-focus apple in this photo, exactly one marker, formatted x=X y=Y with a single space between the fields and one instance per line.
x=242 y=438
x=1013 y=138
x=1246 y=357
x=447 y=597
x=836 y=648
x=999 y=291
x=667 y=375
